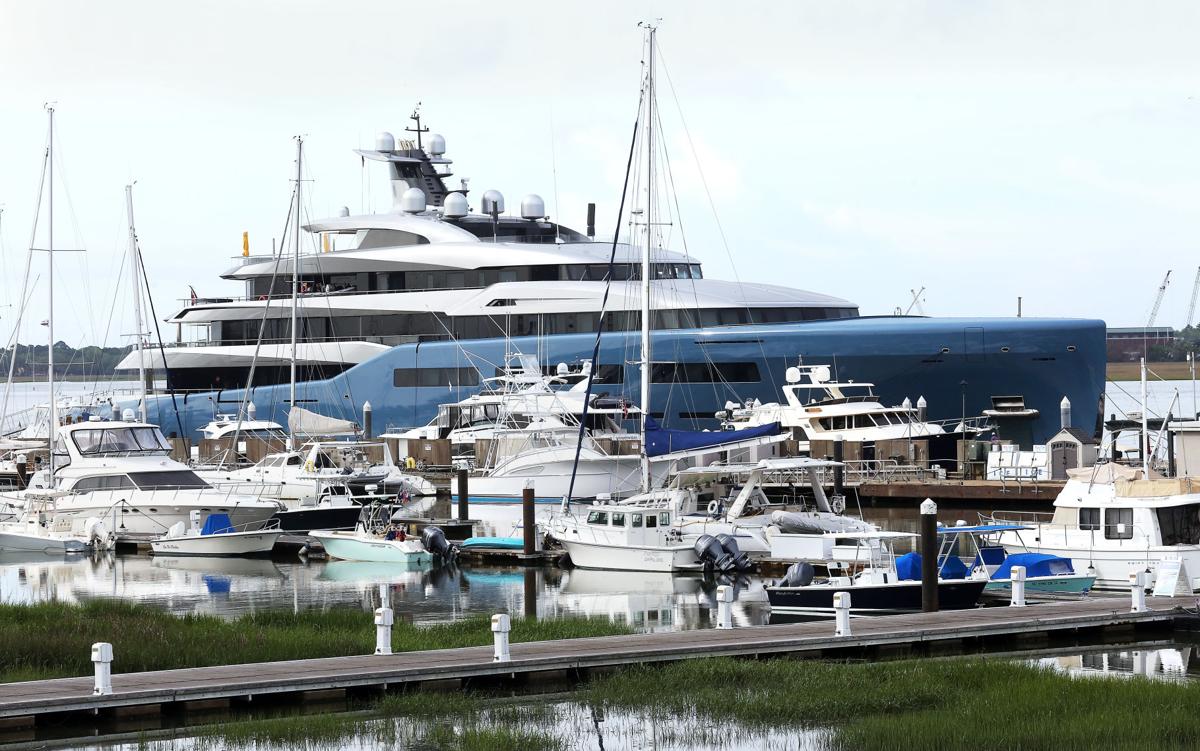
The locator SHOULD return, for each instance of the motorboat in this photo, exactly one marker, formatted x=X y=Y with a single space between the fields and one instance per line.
x=121 y=472
x=625 y=538
x=218 y=537
x=1044 y=573
x=1113 y=519
x=876 y=587
x=374 y=539
x=33 y=531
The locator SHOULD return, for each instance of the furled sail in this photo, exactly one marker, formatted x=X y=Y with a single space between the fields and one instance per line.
x=661 y=441
x=306 y=422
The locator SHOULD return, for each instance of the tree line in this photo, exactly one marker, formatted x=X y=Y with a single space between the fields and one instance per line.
x=85 y=362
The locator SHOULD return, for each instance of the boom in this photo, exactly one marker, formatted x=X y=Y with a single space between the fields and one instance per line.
x=1162 y=290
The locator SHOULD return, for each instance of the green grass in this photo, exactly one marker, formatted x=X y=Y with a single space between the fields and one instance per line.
x=51 y=640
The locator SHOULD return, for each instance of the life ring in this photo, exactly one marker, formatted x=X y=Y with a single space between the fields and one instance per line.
x=837 y=503
x=714 y=508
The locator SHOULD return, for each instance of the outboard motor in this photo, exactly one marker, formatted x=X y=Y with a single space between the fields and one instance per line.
x=799 y=574
x=740 y=560
x=434 y=540
x=712 y=554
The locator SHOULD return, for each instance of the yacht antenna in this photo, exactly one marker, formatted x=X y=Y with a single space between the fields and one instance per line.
x=645 y=363
x=295 y=291
x=52 y=434
x=134 y=266
x=416 y=115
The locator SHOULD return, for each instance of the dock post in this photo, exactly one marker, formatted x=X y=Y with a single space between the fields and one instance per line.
x=841 y=609
x=463 y=502
x=500 y=628
x=1018 y=587
x=102 y=657
x=929 y=556
x=527 y=524
x=839 y=453
x=1137 y=584
x=724 y=607
x=383 y=631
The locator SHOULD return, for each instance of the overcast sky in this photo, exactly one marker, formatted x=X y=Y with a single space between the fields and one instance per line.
x=862 y=149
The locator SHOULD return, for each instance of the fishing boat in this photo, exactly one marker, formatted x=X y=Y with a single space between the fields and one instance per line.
x=877 y=588
x=1048 y=574
x=374 y=539
x=218 y=537
x=33 y=531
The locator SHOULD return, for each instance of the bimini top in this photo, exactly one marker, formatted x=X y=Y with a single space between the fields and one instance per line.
x=981 y=528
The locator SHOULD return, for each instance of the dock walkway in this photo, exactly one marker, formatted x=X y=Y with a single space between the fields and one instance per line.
x=23 y=703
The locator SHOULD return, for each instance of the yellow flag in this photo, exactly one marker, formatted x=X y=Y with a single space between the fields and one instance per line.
x=245 y=243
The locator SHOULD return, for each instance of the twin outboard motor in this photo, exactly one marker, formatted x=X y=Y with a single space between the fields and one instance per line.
x=740 y=560
x=434 y=540
x=713 y=554
x=799 y=574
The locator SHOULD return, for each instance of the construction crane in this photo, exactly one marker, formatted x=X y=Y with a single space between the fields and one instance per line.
x=1162 y=290
x=1192 y=305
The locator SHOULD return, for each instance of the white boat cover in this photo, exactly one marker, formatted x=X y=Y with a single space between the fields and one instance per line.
x=306 y=422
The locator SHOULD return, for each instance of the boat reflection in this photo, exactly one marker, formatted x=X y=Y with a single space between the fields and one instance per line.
x=1169 y=663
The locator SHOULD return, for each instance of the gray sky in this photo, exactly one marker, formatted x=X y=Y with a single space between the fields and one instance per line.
x=983 y=150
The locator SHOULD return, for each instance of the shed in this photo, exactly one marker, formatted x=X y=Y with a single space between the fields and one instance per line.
x=1071 y=448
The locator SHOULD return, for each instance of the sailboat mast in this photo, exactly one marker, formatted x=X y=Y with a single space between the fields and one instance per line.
x=53 y=416
x=645 y=364
x=1144 y=450
x=295 y=275
x=135 y=265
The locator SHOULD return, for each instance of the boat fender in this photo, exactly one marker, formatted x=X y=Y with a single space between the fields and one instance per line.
x=309 y=466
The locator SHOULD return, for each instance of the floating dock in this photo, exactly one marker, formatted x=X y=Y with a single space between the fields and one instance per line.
x=963 y=491
x=26 y=705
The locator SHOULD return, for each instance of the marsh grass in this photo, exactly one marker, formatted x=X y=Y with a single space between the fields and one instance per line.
x=50 y=640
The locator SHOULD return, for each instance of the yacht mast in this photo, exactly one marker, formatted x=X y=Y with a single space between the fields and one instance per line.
x=135 y=265
x=645 y=364
x=1145 y=436
x=295 y=287
x=53 y=416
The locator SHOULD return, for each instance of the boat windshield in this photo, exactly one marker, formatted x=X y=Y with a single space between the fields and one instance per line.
x=169 y=479
x=144 y=440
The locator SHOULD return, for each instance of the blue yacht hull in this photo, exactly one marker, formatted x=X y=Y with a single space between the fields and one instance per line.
x=957 y=364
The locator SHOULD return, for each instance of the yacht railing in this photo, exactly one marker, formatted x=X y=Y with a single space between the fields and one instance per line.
x=1071 y=535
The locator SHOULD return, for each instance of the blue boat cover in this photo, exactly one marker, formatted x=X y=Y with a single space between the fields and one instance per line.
x=660 y=440
x=1036 y=564
x=217 y=524
x=908 y=567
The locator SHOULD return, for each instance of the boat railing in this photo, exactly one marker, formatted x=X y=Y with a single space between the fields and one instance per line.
x=859 y=471
x=249 y=487
x=1104 y=537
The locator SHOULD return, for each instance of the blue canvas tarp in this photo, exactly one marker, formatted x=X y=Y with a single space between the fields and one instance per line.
x=1036 y=564
x=215 y=524
x=908 y=567
x=660 y=440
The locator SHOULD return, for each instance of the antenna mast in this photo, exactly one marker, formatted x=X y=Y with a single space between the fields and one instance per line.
x=646 y=265
x=53 y=416
x=135 y=263
x=295 y=288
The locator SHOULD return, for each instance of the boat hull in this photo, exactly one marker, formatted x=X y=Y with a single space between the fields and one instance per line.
x=218 y=545
x=351 y=547
x=17 y=542
x=631 y=557
x=1112 y=566
x=144 y=519
x=896 y=597
x=1067 y=584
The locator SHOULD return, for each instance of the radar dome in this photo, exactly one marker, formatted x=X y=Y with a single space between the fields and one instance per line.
x=493 y=202
x=385 y=142
x=127 y=415
x=437 y=144
x=792 y=375
x=820 y=374
x=533 y=207
x=344 y=211
x=455 y=206
x=562 y=370
x=412 y=201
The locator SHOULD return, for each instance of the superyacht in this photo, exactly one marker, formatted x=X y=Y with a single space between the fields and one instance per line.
x=406 y=307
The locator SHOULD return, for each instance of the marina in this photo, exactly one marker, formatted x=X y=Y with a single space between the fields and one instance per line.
x=522 y=417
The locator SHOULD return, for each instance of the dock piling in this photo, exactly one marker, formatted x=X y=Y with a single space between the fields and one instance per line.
x=528 y=526
x=841 y=609
x=929 y=556
x=383 y=631
x=1018 y=587
x=724 y=607
x=102 y=657
x=500 y=628
x=839 y=453
x=1137 y=585
x=463 y=501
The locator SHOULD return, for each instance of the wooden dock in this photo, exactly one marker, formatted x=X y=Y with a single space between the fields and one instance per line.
x=23 y=705
x=965 y=491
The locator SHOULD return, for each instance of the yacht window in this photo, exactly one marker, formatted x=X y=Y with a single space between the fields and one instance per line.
x=597 y=517
x=150 y=439
x=636 y=521
x=618 y=520
x=651 y=521
x=664 y=519
x=1089 y=518
x=1118 y=524
x=508 y=275
x=169 y=479
x=103 y=482
x=1179 y=525
x=120 y=440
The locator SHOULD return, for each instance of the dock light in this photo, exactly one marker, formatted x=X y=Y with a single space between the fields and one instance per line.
x=501 y=625
x=102 y=657
x=1018 y=587
x=1137 y=586
x=383 y=631
x=841 y=609
x=724 y=607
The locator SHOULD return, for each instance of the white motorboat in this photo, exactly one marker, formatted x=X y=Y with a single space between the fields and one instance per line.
x=218 y=537
x=122 y=472
x=1113 y=519
x=33 y=531
x=616 y=536
x=374 y=539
